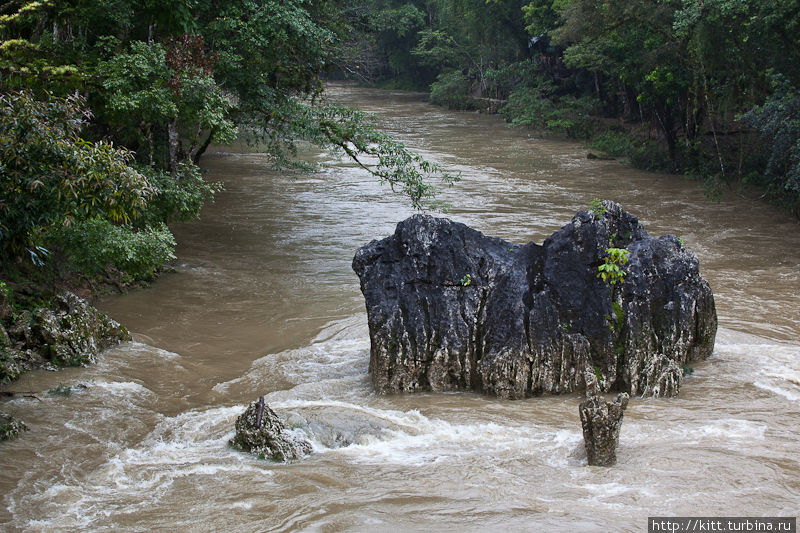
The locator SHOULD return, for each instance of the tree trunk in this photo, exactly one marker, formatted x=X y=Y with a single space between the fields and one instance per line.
x=665 y=121
x=597 y=84
x=174 y=146
x=203 y=148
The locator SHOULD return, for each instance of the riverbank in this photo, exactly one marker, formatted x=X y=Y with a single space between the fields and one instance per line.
x=61 y=332
x=638 y=144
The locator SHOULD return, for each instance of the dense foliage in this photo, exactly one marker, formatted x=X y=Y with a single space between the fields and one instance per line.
x=704 y=87
x=106 y=108
x=51 y=177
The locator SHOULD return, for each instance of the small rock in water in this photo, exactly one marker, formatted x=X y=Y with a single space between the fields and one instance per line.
x=601 y=422
x=260 y=431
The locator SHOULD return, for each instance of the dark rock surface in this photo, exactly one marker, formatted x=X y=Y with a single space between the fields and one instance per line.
x=601 y=421
x=451 y=309
x=260 y=431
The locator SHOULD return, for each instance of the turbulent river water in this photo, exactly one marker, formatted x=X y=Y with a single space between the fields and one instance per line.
x=264 y=302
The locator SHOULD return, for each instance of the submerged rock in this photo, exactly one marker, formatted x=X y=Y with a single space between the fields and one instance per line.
x=260 y=431
x=601 y=421
x=451 y=309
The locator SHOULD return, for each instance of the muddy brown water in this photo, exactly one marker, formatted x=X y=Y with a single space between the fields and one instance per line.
x=264 y=303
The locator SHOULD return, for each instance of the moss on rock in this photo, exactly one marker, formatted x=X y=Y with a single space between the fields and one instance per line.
x=69 y=332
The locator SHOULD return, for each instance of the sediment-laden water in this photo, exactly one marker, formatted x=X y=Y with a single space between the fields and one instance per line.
x=264 y=303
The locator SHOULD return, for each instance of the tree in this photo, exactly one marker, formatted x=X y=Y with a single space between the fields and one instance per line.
x=164 y=80
x=52 y=177
x=170 y=85
x=778 y=124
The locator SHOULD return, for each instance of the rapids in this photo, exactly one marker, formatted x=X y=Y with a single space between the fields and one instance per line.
x=264 y=303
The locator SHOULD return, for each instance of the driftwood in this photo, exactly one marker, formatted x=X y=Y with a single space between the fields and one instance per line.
x=260 y=412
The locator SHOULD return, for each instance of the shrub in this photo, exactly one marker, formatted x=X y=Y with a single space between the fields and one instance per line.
x=178 y=198
x=10 y=427
x=95 y=245
x=539 y=108
x=450 y=90
x=613 y=143
x=778 y=125
x=50 y=176
x=9 y=368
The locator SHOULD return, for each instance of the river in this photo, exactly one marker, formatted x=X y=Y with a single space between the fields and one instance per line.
x=264 y=302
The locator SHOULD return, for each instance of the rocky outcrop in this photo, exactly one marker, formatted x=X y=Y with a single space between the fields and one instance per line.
x=601 y=421
x=68 y=333
x=260 y=431
x=451 y=309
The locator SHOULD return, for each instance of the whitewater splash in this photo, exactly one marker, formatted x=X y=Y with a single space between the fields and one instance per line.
x=329 y=400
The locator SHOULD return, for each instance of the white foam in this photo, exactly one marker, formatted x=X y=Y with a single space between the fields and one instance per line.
x=409 y=437
x=690 y=432
x=791 y=395
x=123 y=388
x=339 y=351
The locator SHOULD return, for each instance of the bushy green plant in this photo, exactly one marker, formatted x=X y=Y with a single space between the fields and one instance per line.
x=9 y=368
x=95 y=245
x=181 y=198
x=611 y=271
x=778 y=124
x=650 y=155
x=596 y=206
x=504 y=79
x=60 y=390
x=10 y=427
x=51 y=176
x=541 y=109
x=450 y=90
x=613 y=143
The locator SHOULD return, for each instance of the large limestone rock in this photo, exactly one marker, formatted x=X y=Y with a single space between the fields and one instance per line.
x=451 y=309
x=69 y=332
x=601 y=422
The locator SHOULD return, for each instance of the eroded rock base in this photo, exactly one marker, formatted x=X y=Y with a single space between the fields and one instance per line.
x=601 y=421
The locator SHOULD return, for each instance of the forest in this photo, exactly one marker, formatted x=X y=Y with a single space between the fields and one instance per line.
x=107 y=107
x=706 y=88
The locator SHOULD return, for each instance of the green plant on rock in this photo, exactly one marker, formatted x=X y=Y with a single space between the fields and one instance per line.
x=9 y=367
x=611 y=271
x=598 y=373
x=618 y=320
x=466 y=280
x=596 y=206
